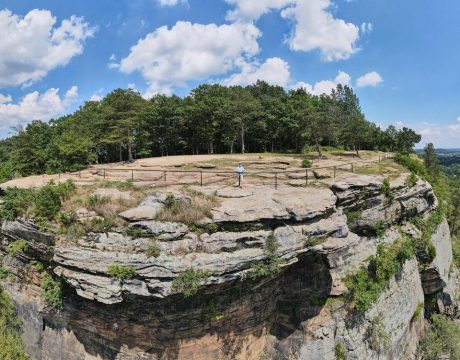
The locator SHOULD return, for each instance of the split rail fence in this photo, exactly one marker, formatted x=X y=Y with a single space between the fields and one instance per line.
x=206 y=177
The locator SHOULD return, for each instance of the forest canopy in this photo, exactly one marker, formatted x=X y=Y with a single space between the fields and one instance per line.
x=212 y=119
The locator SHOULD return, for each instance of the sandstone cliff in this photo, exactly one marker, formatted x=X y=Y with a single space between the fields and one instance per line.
x=316 y=237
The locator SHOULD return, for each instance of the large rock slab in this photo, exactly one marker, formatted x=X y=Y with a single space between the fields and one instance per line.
x=436 y=275
x=282 y=204
x=147 y=210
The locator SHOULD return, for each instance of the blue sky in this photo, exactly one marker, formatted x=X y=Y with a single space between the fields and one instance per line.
x=402 y=58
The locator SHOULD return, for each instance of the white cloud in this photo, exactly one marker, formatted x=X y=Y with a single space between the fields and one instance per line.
x=274 y=71
x=186 y=52
x=455 y=127
x=35 y=106
x=248 y=10
x=31 y=46
x=370 y=79
x=316 y=28
x=5 y=99
x=366 y=27
x=324 y=86
x=170 y=2
x=314 y=25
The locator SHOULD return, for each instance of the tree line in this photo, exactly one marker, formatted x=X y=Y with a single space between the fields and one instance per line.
x=212 y=119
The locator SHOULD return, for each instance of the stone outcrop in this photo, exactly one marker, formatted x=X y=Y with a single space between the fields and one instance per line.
x=298 y=312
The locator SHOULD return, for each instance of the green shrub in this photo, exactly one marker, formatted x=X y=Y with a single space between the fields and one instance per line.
x=134 y=232
x=212 y=228
x=16 y=247
x=38 y=265
x=414 y=165
x=67 y=219
x=43 y=203
x=170 y=200
x=387 y=191
x=418 y=312
x=441 y=339
x=213 y=313
x=189 y=281
x=379 y=339
x=121 y=272
x=352 y=218
x=48 y=199
x=52 y=292
x=3 y=273
x=16 y=203
x=272 y=265
x=340 y=352
x=306 y=163
x=11 y=346
x=411 y=180
x=367 y=283
x=100 y=225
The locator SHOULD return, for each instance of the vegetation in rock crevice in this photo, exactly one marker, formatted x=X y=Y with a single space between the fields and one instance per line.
x=121 y=272
x=189 y=281
x=272 y=265
x=52 y=292
x=366 y=285
x=11 y=346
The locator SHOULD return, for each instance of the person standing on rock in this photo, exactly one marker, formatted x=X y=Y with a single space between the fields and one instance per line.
x=240 y=172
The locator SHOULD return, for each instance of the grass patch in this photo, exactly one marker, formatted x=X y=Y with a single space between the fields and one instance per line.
x=17 y=247
x=121 y=272
x=187 y=211
x=153 y=250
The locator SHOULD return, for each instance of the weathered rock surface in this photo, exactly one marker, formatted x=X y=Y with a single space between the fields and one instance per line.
x=233 y=316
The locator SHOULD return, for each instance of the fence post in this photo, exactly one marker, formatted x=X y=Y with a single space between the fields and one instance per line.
x=276 y=180
x=79 y=174
x=103 y=171
x=335 y=169
x=306 y=176
x=132 y=175
x=201 y=178
x=164 y=176
x=352 y=168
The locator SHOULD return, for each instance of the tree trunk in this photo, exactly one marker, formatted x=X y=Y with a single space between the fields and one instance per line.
x=121 y=152
x=130 y=151
x=318 y=149
x=242 y=140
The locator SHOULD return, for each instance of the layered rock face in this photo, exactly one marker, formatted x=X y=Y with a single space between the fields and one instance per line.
x=298 y=312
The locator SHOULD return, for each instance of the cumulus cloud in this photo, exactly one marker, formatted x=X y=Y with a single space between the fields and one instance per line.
x=370 y=79
x=171 y=57
x=35 y=106
x=324 y=86
x=316 y=28
x=274 y=71
x=249 y=10
x=32 y=45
